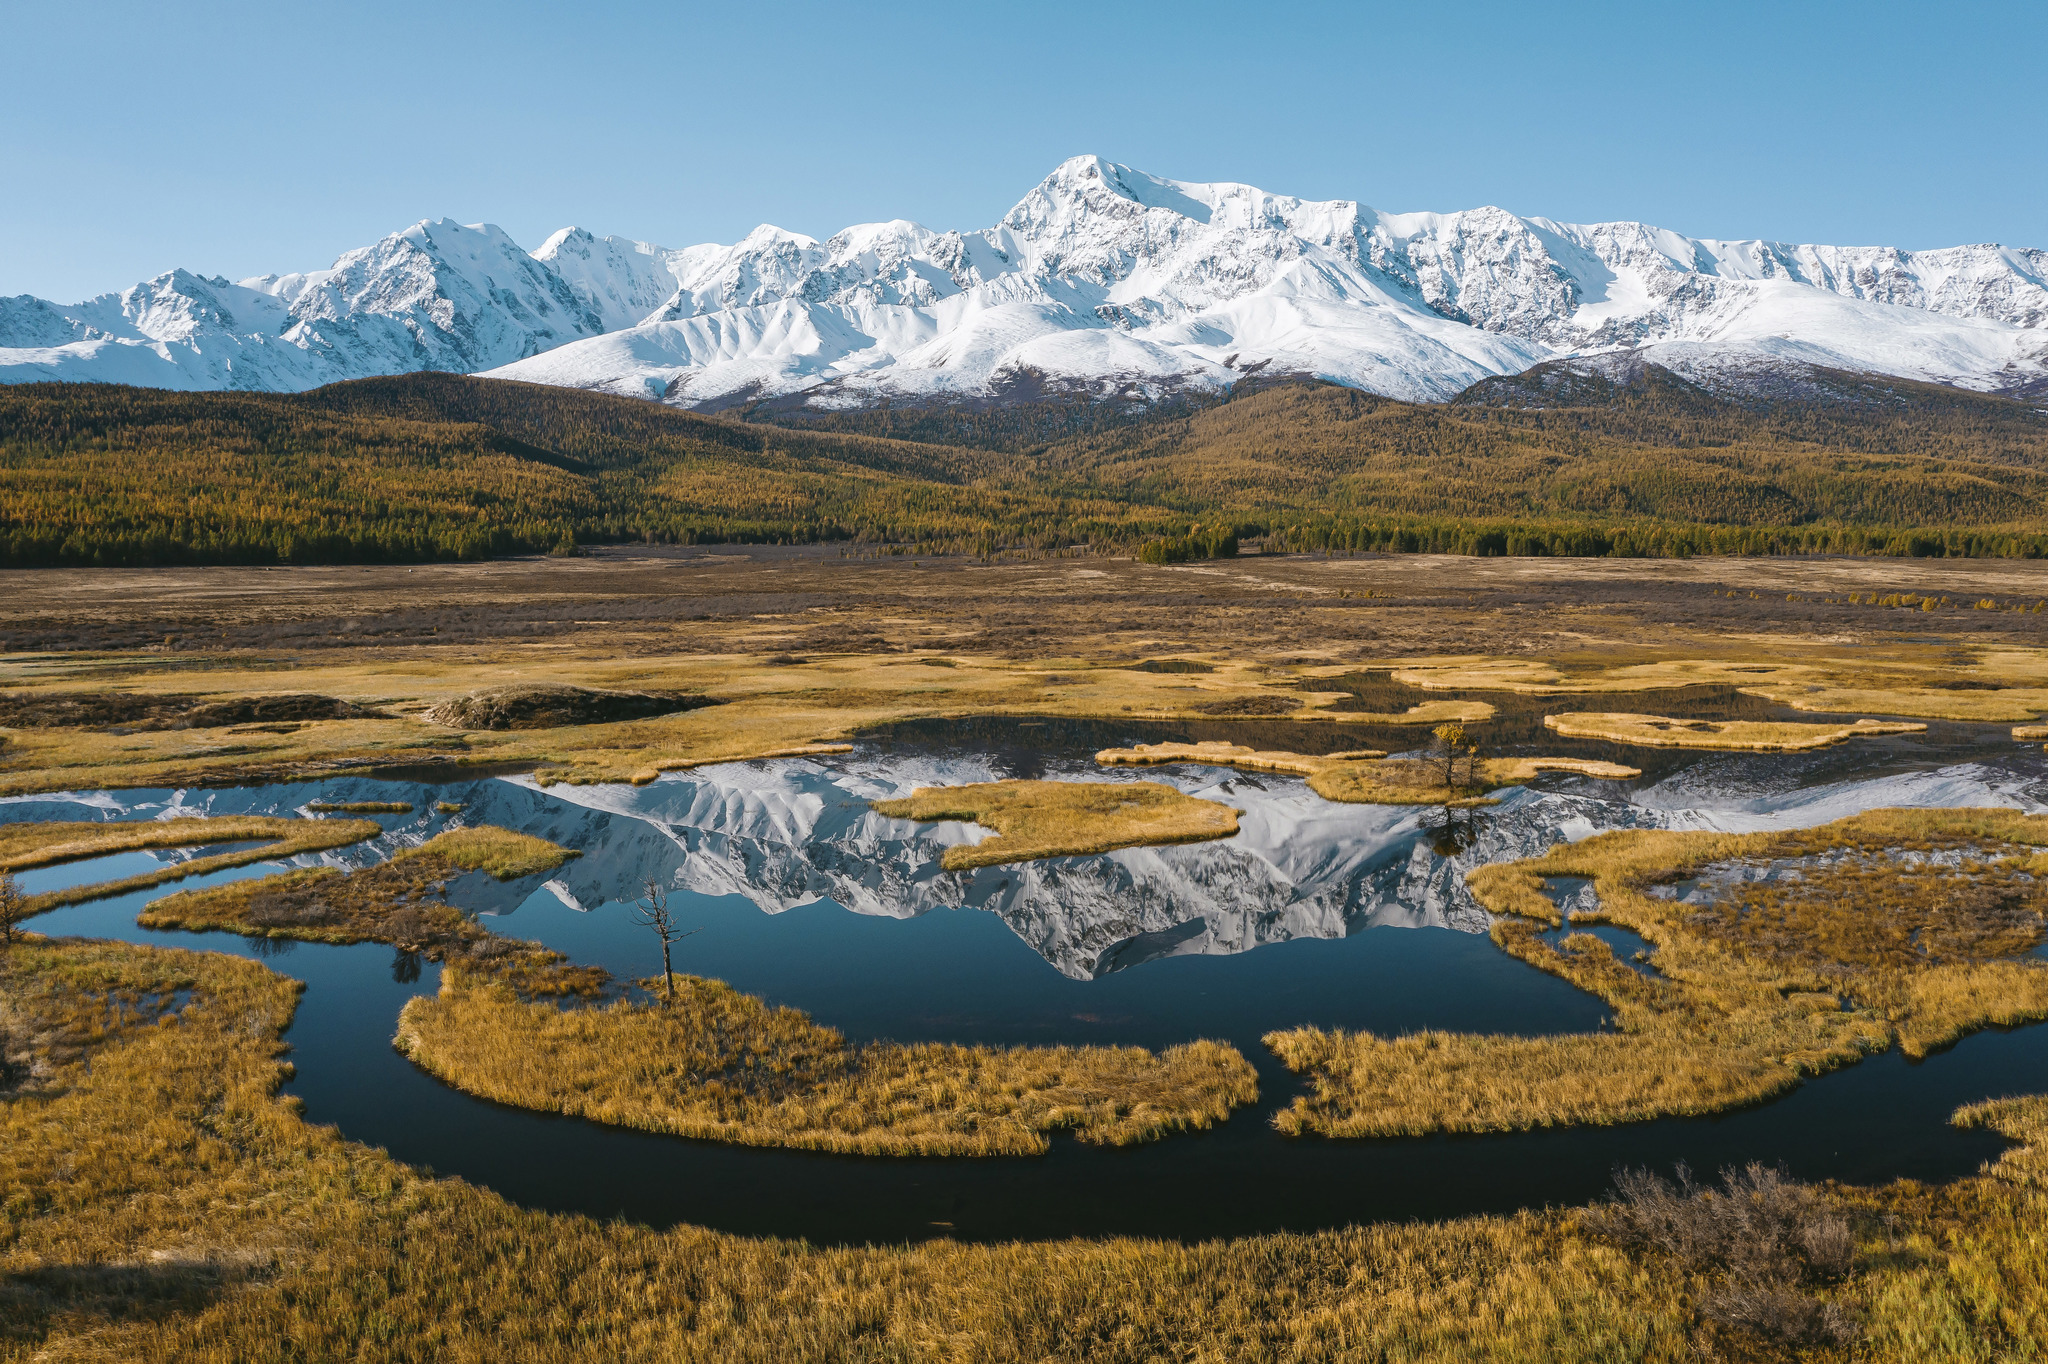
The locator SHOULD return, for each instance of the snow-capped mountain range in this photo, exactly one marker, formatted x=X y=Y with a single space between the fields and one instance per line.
x=1103 y=279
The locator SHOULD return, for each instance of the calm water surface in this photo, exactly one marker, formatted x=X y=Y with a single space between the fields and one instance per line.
x=1346 y=916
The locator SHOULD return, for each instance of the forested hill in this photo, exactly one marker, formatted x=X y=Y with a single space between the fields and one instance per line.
x=442 y=466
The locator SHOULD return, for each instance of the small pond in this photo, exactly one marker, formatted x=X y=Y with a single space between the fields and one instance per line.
x=1348 y=916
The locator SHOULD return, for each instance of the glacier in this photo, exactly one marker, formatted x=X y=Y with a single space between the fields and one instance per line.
x=1102 y=281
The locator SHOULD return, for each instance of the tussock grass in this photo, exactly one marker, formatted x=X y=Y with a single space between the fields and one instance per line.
x=1903 y=927
x=362 y=807
x=1416 y=781
x=2008 y=688
x=1034 y=819
x=542 y=705
x=397 y=902
x=45 y=844
x=1759 y=736
x=165 y=1204
x=1223 y=753
x=1422 y=713
x=724 y=1066
x=1366 y=776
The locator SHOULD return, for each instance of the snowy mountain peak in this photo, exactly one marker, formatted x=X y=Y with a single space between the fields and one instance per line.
x=1102 y=278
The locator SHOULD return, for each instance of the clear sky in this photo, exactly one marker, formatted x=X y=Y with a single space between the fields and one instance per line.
x=237 y=138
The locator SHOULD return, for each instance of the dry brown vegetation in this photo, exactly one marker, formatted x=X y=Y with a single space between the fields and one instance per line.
x=805 y=651
x=1899 y=926
x=398 y=901
x=723 y=1066
x=1034 y=819
x=1222 y=753
x=1368 y=776
x=164 y=1204
x=361 y=807
x=536 y=705
x=1760 y=736
x=42 y=844
x=2005 y=685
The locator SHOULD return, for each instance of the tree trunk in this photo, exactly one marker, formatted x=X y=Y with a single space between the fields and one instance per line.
x=668 y=977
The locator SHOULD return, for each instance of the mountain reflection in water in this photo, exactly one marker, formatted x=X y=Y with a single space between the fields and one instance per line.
x=788 y=833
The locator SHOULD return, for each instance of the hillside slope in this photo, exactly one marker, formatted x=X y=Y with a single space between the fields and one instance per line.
x=439 y=466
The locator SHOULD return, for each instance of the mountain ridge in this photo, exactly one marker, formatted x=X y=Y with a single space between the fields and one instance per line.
x=1102 y=281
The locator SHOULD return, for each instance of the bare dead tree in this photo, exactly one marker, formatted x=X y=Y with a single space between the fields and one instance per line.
x=14 y=906
x=652 y=911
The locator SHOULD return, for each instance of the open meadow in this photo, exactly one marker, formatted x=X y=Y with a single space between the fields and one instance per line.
x=439 y=731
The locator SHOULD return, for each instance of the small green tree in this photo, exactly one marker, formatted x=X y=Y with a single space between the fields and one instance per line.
x=1455 y=761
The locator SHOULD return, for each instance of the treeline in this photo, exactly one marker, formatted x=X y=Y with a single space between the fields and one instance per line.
x=1182 y=549
x=1649 y=541
x=446 y=467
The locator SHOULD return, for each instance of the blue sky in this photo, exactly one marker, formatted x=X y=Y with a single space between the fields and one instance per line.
x=238 y=138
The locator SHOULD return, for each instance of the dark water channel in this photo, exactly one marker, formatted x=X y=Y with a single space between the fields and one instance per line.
x=1338 y=916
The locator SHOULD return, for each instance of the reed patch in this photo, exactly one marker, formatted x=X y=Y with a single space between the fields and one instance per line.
x=1034 y=819
x=1897 y=927
x=46 y=843
x=399 y=902
x=1368 y=776
x=723 y=1066
x=1755 y=736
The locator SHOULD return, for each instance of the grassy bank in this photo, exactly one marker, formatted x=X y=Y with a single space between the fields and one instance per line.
x=1906 y=927
x=1367 y=776
x=44 y=844
x=1753 y=736
x=397 y=902
x=1034 y=819
x=723 y=1066
x=164 y=1204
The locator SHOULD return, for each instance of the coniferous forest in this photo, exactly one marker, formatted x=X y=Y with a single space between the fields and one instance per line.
x=437 y=466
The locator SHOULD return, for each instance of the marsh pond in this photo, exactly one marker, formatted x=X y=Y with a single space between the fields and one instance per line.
x=1337 y=915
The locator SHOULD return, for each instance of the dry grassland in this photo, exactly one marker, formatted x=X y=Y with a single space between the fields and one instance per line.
x=1903 y=927
x=1035 y=819
x=44 y=844
x=767 y=708
x=723 y=1066
x=165 y=1204
x=398 y=902
x=2000 y=685
x=1367 y=776
x=1756 y=736
x=1222 y=753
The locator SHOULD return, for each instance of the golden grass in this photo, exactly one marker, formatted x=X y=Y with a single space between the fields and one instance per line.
x=163 y=1203
x=44 y=844
x=768 y=709
x=2007 y=685
x=1773 y=983
x=1415 y=781
x=1223 y=753
x=1759 y=736
x=1366 y=776
x=397 y=902
x=1034 y=819
x=362 y=807
x=2026 y=732
x=723 y=1066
